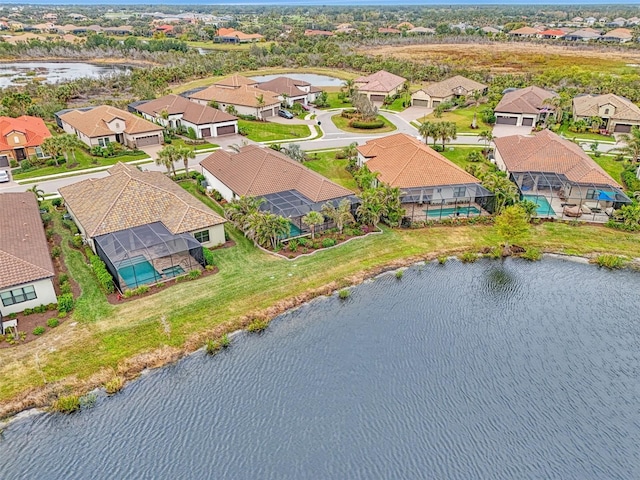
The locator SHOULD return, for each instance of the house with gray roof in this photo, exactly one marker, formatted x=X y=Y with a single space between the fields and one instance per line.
x=524 y=107
x=617 y=113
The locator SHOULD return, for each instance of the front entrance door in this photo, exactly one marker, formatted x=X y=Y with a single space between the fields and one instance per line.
x=120 y=138
x=20 y=154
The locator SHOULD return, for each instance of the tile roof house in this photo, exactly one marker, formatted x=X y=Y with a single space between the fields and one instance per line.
x=290 y=188
x=618 y=114
x=317 y=33
x=422 y=31
x=446 y=91
x=98 y=126
x=584 y=34
x=547 y=165
x=617 y=35
x=245 y=99
x=524 y=106
x=231 y=35
x=389 y=31
x=524 y=32
x=26 y=269
x=175 y=111
x=424 y=176
x=144 y=226
x=291 y=90
x=20 y=138
x=551 y=34
x=235 y=81
x=379 y=85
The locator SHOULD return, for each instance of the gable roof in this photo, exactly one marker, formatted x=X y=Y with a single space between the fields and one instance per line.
x=130 y=198
x=381 y=81
x=245 y=95
x=524 y=100
x=24 y=253
x=585 y=33
x=33 y=128
x=405 y=162
x=619 y=33
x=524 y=31
x=313 y=33
x=547 y=152
x=447 y=87
x=588 y=106
x=552 y=33
x=233 y=33
x=235 y=81
x=255 y=171
x=285 y=85
x=93 y=123
x=192 y=112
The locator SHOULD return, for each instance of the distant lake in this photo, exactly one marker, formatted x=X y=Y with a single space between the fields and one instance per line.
x=497 y=370
x=19 y=73
x=312 y=78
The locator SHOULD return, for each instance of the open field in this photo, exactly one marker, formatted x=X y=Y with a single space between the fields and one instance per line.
x=514 y=57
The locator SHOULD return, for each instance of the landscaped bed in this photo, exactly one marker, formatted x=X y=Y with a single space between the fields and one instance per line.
x=348 y=125
x=306 y=245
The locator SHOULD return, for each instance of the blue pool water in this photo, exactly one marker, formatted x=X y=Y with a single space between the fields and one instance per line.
x=445 y=212
x=173 y=271
x=138 y=271
x=544 y=208
x=294 y=231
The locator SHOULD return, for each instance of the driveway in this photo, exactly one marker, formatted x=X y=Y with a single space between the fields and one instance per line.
x=412 y=114
x=507 y=130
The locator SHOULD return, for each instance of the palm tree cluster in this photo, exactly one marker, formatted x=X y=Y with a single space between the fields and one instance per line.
x=443 y=131
x=171 y=154
x=380 y=203
x=263 y=228
x=61 y=145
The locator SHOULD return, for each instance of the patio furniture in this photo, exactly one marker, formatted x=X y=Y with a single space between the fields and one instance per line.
x=586 y=209
x=8 y=324
x=574 y=211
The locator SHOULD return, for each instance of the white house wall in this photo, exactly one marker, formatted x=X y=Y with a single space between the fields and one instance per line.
x=216 y=235
x=45 y=294
x=216 y=184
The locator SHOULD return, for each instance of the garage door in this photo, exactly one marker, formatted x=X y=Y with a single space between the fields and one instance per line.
x=506 y=120
x=622 y=128
x=228 y=130
x=436 y=103
x=268 y=113
x=299 y=100
x=527 y=122
x=377 y=98
x=146 y=141
x=4 y=161
x=420 y=103
x=206 y=132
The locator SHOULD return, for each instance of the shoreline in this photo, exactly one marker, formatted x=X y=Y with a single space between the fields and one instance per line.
x=90 y=60
x=39 y=399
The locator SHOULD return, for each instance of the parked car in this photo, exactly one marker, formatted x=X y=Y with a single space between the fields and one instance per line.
x=4 y=176
x=285 y=114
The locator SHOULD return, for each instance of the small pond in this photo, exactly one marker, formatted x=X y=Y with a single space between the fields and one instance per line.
x=20 y=73
x=312 y=78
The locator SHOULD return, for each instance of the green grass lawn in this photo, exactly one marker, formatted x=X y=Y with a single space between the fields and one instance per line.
x=459 y=156
x=272 y=132
x=335 y=102
x=83 y=160
x=397 y=105
x=610 y=166
x=462 y=117
x=596 y=137
x=343 y=124
x=179 y=142
x=326 y=164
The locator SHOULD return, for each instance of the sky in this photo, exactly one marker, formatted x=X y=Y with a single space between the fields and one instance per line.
x=322 y=2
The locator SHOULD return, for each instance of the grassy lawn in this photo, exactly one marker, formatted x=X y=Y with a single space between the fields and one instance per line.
x=397 y=106
x=100 y=339
x=83 y=160
x=335 y=102
x=462 y=117
x=269 y=132
x=179 y=142
x=610 y=166
x=459 y=156
x=326 y=164
x=595 y=137
x=343 y=124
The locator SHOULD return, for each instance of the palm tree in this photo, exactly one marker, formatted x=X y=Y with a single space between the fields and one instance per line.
x=632 y=144
x=596 y=123
x=405 y=90
x=504 y=190
x=477 y=95
x=266 y=229
x=38 y=192
x=184 y=153
x=295 y=152
x=560 y=104
x=340 y=215
x=350 y=151
x=629 y=214
x=348 y=88
x=371 y=207
x=69 y=143
x=312 y=219
x=239 y=208
x=487 y=137
x=260 y=103
x=168 y=156
x=447 y=131
x=52 y=146
x=428 y=129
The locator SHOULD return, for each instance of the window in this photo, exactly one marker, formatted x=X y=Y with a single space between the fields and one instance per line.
x=459 y=191
x=118 y=125
x=103 y=142
x=606 y=111
x=592 y=194
x=202 y=237
x=39 y=152
x=16 y=139
x=18 y=295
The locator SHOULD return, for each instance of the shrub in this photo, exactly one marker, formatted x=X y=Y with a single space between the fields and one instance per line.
x=25 y=166
x=293 y=245
x=27 y=311
x=532 y=254
x=53 y=322
x=193 y=274
x=65 y=302
x=344 y=294
x=214 y=346
x=208 y=256
x=71 y=226
x=225 y=341
x=67 y=404
x=56 y=251
x=399 y=274
x=62 y=315
x=48 y=233
x=56 y=202
x=495 y=253
x=610 y=261
x=468 y=257
x=39 y=330
x=366 y=125
x=64 y=278
x=40 y=309
x=114 y=385
x=65 y=288
x=77 y=241
x=303 y=242
x=101 y=273
x=442 y=259
x=46 y=218
x=257 y=326
x=328 y=242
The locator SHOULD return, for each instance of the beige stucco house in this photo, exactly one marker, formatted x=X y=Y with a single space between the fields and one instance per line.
x=524 y=107
x=446 y=91
x=617 y=113
x=379 y=85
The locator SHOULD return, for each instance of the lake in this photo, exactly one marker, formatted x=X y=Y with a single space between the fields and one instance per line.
x=19 y=73
x=312 y=78
x=492 y=370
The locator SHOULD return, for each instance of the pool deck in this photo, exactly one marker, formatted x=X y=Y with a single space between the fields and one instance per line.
x=417 y=212
x=558 y=204
x=184 y=260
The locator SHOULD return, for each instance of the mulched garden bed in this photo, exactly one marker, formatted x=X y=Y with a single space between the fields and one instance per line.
x=304 y=246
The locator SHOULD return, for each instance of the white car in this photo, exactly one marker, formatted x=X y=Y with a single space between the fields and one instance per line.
x=4 y=176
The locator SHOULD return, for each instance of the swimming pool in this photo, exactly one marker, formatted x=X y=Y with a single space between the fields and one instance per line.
x=173 y=271
x=544 y=207
x=137 y=271
x=446 y=212
x=294 y=231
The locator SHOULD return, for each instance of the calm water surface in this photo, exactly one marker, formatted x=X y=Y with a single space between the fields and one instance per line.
x=490 y=370
x=312 y=78
x=17 y=73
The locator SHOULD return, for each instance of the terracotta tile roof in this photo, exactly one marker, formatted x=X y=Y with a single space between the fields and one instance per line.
x=130 y=198
x=524 y=100
x=589 y=105
x=286 y=85
x=191 y=111
x=405 y=25
x=451 y=85
x=33 y=129
x=388 y=30
x=244 y=95
x=620 y=33
x=381 y=81
x=232 y=32
x=93 y=123
x=313 y=33
x=235 y=81
x=256 y=171
x=547 y=152
x=24 y=254
x=552 y=33
x=405 y=162
x=524 y=31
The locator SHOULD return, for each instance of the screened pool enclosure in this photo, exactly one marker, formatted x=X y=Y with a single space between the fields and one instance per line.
x=446 y=201
x=148 y=254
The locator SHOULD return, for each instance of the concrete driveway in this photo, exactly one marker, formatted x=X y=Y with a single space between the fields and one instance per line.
x=508 y=130
x=412 y=114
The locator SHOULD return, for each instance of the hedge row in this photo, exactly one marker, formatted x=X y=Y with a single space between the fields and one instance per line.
x=208 y=256
x=101 y=272
x=366 y=125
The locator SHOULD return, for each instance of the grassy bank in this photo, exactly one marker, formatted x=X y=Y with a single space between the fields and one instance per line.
x=102 y=340
x=272 y=132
